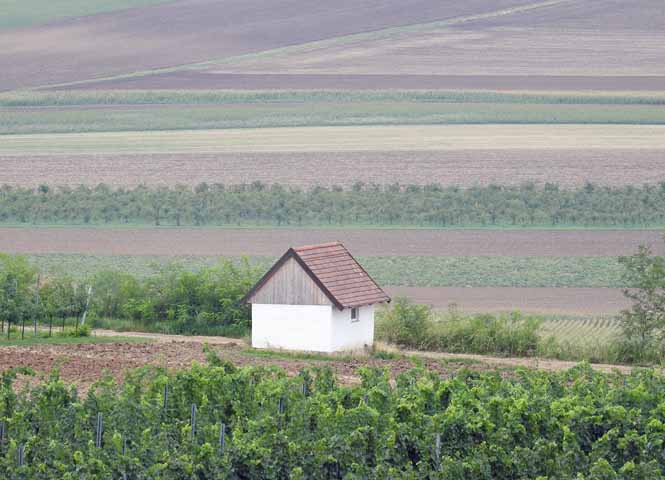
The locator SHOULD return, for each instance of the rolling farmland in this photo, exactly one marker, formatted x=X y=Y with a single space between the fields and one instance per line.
x=417 y=92
x=157 y=156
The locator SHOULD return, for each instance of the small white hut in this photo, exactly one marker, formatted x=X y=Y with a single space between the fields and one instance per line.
x=315 y=298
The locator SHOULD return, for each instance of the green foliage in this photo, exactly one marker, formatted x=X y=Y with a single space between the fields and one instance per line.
x=396 y=205
x=231 y=97
x=643 y=325
x=179 y=301
x=573 y=424
x=415 y=326
x=405 y=323
x=172 y=300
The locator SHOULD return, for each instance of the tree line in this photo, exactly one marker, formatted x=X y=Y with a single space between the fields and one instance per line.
x=172 y=300
x=361 y=204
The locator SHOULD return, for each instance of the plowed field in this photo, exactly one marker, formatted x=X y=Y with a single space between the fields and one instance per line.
x=569 y=168
x=274 y=242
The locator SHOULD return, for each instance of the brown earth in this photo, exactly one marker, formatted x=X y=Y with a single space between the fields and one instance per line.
x=555 y=301
x=567 y=167
x=190 y=31
x=204 y=80
x=362 y=242
x=83 y=364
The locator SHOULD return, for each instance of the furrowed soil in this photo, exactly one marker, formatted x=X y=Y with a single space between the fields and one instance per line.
x=190 y=31
x=86 y=363
x=553 y=301
x=362 y=242
x=567 y=167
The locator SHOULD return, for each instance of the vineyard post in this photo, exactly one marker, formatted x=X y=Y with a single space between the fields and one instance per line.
x=37 y=303
x=166 y=396
x=437 y=450
x=124 y=444
x=304 y=389
x=280 y=406
x=22 y=326
x=222 y=436
x=50 y=324
x=98 y=429
x=2 y=432
x=9 y=326
x=64 y=317
x=21 y=455
x=193 y=422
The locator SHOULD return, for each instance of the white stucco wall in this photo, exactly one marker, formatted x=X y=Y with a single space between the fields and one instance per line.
x=348 y=335
x=316 y=328
x=292 y=327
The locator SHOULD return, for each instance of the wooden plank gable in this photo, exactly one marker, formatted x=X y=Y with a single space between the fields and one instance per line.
x=290 y=284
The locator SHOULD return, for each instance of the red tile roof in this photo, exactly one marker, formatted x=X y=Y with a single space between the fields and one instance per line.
x=336 y=272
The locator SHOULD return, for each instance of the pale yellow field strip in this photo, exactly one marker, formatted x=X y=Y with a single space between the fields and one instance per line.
x=342 y=139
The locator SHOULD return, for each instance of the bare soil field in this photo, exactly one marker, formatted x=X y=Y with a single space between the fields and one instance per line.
x=582 y=38
x=442 y=50
x=84 y=364
x=273 y=242
x=210 y=80
x=466 y=168
x=191 y=31
x=398 y=138
x=556 y=301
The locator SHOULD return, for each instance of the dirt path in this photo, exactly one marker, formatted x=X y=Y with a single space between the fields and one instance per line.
x=488 y=360
x=84 y=364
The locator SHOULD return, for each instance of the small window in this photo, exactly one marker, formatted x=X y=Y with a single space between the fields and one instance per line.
x=354 y=315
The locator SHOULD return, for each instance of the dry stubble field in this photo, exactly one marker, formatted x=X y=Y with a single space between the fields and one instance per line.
x=466 y=168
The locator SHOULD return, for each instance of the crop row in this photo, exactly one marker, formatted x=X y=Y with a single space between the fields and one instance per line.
x=413 y=271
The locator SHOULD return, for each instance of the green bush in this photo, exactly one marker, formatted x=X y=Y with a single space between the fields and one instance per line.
x=504 y=334
x=405 y=324
x=416 y=326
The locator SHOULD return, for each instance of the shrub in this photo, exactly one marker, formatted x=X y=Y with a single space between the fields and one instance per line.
x=415 y=326
x=405 y=324
x=505 y=334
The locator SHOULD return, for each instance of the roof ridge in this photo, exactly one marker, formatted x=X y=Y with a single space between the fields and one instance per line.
x=319 y=245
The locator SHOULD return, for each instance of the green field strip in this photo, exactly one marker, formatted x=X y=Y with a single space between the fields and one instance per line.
x=108 y=119
x=341 y=139
x=397 y=271
x=230 y=97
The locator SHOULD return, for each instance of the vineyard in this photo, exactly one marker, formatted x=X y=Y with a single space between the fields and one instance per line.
x=220 y=421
